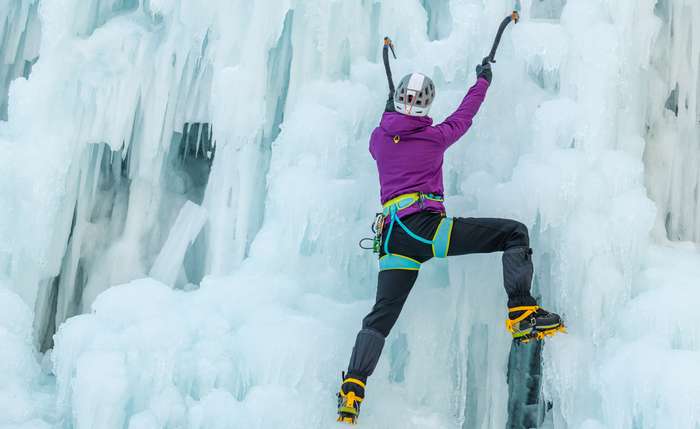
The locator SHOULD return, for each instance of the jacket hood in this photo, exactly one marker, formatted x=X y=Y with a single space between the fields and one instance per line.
x=398 y=123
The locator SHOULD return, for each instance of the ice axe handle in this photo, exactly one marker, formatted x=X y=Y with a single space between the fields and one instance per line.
x=388 y=44
x=514 y=17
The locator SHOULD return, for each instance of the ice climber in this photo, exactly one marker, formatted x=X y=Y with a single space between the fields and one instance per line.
x=408 y=150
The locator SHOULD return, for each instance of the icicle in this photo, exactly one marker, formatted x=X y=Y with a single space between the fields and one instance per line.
x=183 y=233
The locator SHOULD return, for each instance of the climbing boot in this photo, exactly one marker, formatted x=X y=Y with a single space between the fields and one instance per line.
x=352 y=392
x=532 y=322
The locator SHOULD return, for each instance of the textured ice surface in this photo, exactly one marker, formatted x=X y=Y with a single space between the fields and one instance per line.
x=182 y=235
x=23 y=396
x=20 y=32
x=260 y=112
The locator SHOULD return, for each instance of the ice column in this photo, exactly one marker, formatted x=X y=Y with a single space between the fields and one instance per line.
x=182 y=234
x=19 y=46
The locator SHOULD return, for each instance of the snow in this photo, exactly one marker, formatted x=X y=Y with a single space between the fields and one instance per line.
x=152 y=351
x=184 y=186
x=22 y=397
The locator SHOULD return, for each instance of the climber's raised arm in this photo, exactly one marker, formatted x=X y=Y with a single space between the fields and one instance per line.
x=459 y=122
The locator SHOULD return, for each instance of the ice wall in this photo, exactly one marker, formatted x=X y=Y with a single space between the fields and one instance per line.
x=21 y=33
x=671 y=155
x=103 y=156
x=260 y=112
x=25 y=395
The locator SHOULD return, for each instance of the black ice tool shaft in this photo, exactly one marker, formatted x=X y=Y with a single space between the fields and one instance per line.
x=388 y=44
x=514 y=17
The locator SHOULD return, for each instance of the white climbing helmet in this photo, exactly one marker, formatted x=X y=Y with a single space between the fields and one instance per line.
x=414 y=95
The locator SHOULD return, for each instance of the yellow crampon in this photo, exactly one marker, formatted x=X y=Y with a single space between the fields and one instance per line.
x=348 y=420
x=539 y=335
x=349 y=403
x=526 y=335
x=513 y=325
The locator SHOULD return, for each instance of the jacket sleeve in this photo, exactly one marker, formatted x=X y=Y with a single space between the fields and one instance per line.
x=459 y=122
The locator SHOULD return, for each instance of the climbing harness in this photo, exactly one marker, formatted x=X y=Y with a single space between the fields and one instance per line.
x=440 y=242
x=514 y=17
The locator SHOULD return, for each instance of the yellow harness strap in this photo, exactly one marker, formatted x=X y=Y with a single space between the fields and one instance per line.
x=414 y=196
x=527 y=311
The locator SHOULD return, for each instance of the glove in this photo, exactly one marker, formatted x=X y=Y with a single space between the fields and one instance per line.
x=483 y=70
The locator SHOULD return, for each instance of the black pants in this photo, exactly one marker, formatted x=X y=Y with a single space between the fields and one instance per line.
x=469 y=235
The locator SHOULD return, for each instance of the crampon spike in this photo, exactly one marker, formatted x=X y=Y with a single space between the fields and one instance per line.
x=348 y=420
x=540 y=335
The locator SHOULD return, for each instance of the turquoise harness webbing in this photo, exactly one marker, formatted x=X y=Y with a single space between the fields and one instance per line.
x=398 y=262
x=440 y=242
x=411 y=233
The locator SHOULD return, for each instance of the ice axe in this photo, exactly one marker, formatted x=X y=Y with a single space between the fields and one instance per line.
x=388 y=45
x=491 y=58
x=514 y=17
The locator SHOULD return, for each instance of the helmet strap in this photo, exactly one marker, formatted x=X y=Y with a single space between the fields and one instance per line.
x=408 y=106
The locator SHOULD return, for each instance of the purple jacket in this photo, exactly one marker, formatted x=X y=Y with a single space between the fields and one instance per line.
x=414 y=164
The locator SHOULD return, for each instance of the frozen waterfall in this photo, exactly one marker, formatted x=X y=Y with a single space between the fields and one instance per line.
x=184 y=184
